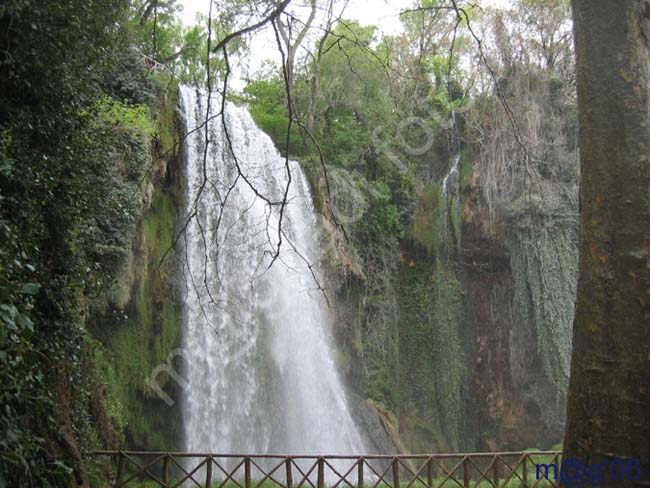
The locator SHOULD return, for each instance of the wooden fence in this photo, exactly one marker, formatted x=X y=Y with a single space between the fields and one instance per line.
x=472 y=470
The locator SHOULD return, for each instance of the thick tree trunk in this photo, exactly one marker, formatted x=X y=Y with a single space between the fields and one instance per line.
x=608 y=412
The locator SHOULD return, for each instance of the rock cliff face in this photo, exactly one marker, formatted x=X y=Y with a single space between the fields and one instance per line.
x=462 y=331
x=519 y=280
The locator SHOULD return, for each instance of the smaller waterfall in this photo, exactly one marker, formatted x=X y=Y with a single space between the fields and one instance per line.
x=451 y=182
x=450 y=198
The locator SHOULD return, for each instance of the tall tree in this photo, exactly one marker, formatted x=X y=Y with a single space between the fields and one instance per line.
x=609 y=392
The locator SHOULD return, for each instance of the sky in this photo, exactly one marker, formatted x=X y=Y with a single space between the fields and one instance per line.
x=382 y=13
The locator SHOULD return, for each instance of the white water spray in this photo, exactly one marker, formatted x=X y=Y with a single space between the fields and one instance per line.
x=257 y=341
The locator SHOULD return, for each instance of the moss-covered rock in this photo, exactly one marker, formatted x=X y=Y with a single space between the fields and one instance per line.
x=141 y=326
x=544 y=262
x=432 y=356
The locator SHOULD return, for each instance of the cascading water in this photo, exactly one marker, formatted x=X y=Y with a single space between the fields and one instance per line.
x=259 y=361
x=451 y=181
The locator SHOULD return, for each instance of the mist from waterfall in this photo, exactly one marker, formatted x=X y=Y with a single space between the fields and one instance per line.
x=257 y=340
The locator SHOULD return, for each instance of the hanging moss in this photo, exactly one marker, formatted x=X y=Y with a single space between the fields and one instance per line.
x=431 y=354
x=151 y=330
x=449 y=358
x=544 y=261
x=466 y=170
x=417 y=338
x=380 y=336
x=455 y=217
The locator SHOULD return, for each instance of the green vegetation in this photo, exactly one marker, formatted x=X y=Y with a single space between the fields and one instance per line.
x=427 y=230
x=81 y=118
x=432 y=357
x=133 y=347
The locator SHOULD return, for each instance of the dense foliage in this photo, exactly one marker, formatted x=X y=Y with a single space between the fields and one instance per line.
x=76 y=133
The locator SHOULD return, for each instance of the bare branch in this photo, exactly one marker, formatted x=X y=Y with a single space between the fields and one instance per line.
x=274 y=14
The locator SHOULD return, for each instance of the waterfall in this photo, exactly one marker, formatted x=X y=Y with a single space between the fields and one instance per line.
x=452 y=178
x=261 y=376
x=450 y=198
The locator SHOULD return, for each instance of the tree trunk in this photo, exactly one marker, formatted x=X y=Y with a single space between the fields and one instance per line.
x=608 y=411
x=292 y=47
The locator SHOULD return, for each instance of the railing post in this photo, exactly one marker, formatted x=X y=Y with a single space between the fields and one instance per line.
x=208 y=473
x=430 y=472
x=247 y=472
x=321 y=473
x=360 y=473
x=396 y=472
x=289 y=474
x=524 y=470
x=166 y=470
x=120 y=470
x=466 y=472
x=495 y=470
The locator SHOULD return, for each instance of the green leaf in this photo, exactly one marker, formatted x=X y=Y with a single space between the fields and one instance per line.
x=24 y=322
x=30 y=288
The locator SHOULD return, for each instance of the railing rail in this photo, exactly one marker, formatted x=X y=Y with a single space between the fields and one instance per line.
x=211 y=470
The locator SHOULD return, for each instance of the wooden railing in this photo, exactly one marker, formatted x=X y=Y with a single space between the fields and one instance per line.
x=472 y=470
